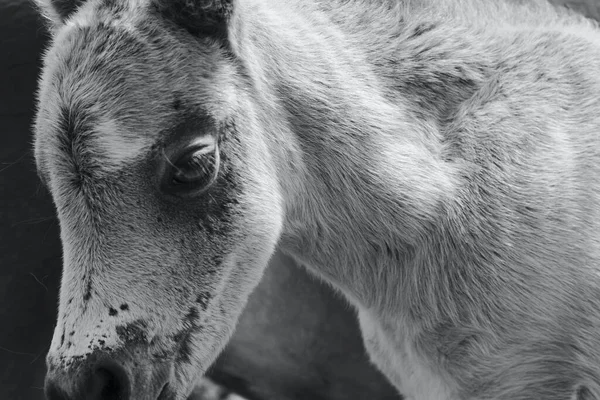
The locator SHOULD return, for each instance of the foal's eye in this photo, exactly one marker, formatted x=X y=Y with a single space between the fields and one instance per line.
x=192 y=170
x=195 y=168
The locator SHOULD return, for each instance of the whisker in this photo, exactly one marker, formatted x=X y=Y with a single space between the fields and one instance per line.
x=38 y=281
x=32 y=221
x=11 y=163
x=36 y=357
x=19 y=353
x=54 y=222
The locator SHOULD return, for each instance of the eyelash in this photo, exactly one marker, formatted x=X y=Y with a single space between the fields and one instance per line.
x=195 y=162
x=192 y=172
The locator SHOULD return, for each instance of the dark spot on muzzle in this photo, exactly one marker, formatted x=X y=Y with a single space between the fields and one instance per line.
x=112 y=312
x=133 y=333
x=124 y=307
x=88 y=292
x=184 y=340
x=192 y=316
x=203 y=299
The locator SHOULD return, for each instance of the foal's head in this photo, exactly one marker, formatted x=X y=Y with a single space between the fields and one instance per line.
x=169 y=207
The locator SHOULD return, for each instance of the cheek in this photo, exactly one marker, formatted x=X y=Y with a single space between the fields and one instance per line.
x=248 y=268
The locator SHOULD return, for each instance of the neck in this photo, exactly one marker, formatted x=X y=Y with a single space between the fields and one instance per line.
x=368 y=178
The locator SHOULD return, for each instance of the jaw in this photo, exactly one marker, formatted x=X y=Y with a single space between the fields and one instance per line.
x=203 y=346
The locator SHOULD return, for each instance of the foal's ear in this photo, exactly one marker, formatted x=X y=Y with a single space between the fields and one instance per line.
x=199 y=17
x=57 y=11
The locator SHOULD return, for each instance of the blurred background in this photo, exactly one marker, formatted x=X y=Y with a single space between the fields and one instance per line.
x=295 y=341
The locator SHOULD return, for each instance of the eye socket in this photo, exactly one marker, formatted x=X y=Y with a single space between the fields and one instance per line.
x=193 y=171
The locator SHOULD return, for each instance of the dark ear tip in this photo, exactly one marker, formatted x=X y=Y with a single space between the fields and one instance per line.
x=64 y=8
x=199 y=17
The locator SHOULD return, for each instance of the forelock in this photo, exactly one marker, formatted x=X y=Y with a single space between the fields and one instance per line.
x=112 y=83
x=95 y=107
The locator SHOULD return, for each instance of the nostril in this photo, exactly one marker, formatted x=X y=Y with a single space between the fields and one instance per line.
x=109 y=382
